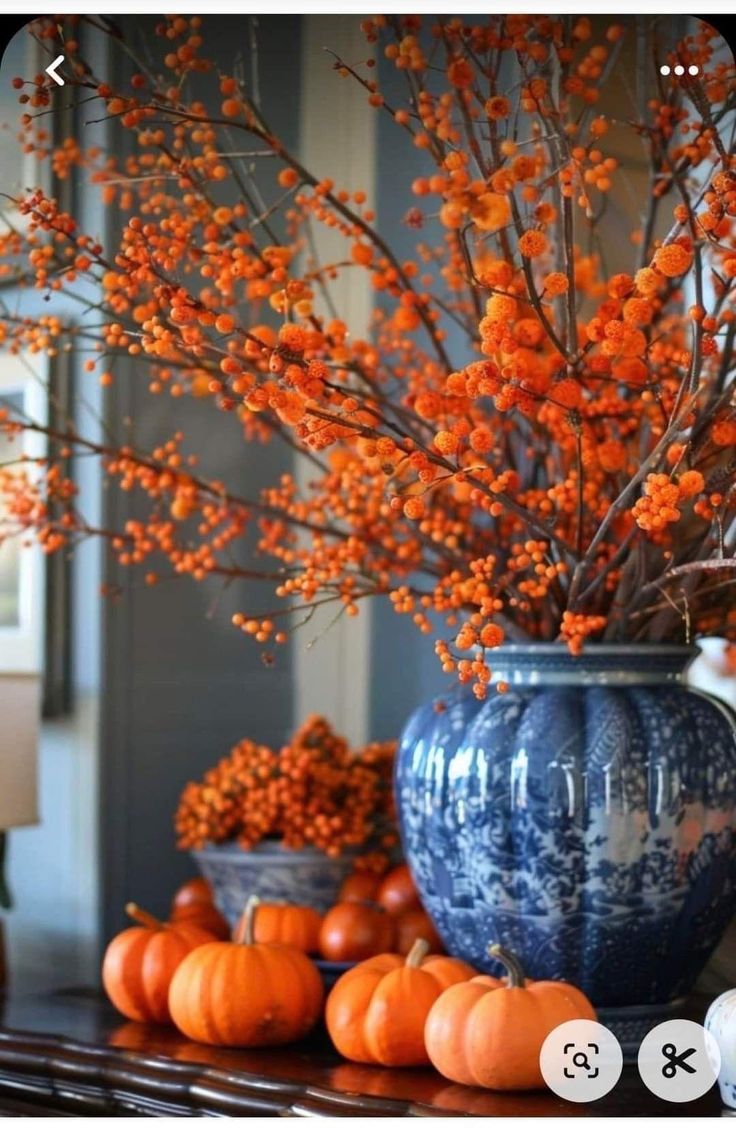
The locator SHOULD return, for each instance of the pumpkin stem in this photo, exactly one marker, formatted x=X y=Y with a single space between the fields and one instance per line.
x=417 y=953
x=142 y=917
x=511 y=964
x=245 y=931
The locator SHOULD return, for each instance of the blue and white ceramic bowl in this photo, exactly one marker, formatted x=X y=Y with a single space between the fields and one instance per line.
x=276 y=874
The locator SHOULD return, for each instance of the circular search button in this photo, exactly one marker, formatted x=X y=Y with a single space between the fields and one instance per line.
x=581 y=1060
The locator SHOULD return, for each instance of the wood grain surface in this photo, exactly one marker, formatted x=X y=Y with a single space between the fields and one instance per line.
x=68 y=1052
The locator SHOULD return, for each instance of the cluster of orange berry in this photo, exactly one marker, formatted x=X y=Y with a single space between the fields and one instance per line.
x=577 y=626
x=659 y=505
x=315 y=792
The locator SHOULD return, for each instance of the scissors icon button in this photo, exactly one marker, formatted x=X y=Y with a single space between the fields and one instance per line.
x=675 y=1060
x=679 y=1060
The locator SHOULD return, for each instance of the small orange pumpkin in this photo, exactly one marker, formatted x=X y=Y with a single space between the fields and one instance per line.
x=489 y=1033
x=296 y=926
x=414 y=924
x=353 y=931
x=140 y=962
x=246 y=994
x=361 y=886
x=397 y=892
x=195 y=891
x=376 y=1012
x=202 y=914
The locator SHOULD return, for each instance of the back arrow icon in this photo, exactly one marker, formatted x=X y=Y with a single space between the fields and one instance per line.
x=51 y=70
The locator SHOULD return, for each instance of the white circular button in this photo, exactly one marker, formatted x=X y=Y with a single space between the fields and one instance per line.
x=581 y=1060
x=664 y=69
x=679 y=1061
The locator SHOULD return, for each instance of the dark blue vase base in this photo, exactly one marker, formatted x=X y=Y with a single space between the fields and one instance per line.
x=631 y=1024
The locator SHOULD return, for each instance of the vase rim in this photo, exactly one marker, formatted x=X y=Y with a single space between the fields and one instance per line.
x=601 y=664
x=559 y=647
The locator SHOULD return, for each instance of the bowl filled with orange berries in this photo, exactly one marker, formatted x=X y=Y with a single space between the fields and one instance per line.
x=290 y=825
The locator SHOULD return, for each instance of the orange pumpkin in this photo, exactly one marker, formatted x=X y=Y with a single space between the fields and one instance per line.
x=244 y=993
x=195 y=891
x=140 y=962
x=202 y=914
x=353 y=931
x=361 y=886
x=414 y=924
x=397 y=892
x=489 y=1033
x=376 y=1012
x=296 y=926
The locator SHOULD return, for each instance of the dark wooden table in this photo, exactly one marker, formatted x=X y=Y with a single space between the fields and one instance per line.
x=65 y=1052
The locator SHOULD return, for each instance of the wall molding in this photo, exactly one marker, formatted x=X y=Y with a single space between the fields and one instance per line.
x=338 y=139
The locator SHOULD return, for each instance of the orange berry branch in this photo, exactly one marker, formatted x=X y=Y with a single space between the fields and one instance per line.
x=527 y=445
x=314 y=792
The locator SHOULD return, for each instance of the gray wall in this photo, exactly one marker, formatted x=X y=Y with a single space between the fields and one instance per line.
x=404 y=668
x=181 y=684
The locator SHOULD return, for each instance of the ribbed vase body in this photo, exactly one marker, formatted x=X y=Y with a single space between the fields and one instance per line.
x=585 y=819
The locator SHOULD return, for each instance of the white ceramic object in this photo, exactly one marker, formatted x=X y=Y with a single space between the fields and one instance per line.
x=720 y=1021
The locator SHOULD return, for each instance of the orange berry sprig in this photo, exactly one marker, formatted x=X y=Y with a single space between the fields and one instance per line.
x=504 y=487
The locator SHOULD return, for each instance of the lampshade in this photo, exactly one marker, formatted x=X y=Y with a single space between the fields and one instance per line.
x=19 y=725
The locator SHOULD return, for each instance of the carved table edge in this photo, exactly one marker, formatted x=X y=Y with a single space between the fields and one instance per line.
x=83 y=1076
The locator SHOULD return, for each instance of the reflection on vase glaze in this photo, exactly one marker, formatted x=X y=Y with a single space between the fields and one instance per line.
x=568 y=786
x=588 y=824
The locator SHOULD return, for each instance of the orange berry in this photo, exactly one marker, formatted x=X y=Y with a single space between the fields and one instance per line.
x=672 y=260
x=533 y=243
x=414 y=508
x=288 y=177
x=556 y=283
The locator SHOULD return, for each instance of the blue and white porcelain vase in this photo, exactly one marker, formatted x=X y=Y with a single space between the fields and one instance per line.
x=586 y=819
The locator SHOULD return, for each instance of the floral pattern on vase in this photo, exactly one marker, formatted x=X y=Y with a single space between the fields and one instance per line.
x=586 y=819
